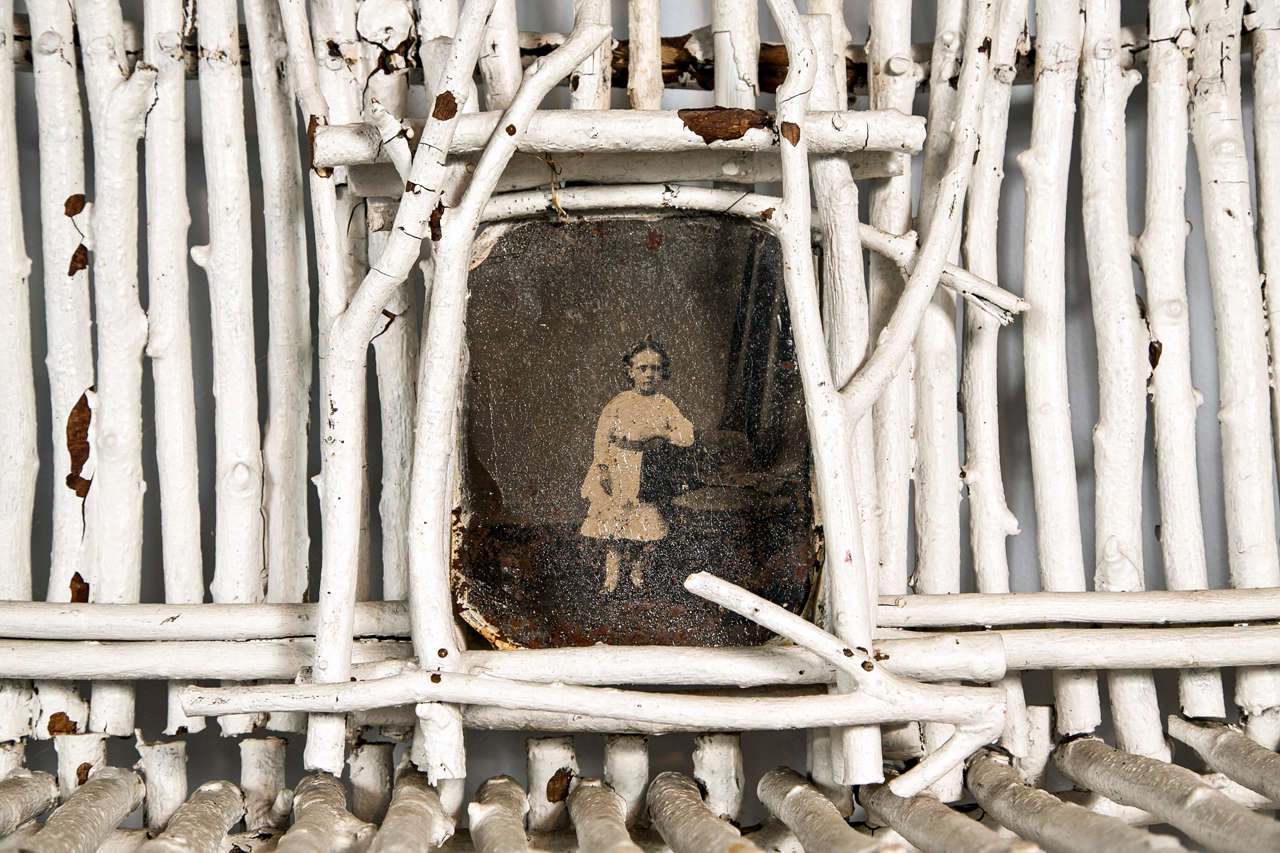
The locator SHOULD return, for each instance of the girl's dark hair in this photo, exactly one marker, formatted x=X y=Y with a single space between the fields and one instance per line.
x=650 y=345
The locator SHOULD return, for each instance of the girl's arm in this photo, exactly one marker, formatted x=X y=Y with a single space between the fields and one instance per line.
x=679 y=428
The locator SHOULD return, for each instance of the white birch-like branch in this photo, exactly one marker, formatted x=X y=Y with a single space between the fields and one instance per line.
x=1162 y=250
x=168 y=318
x=717 y=768
x=644 y=54
x=1229 y=752
x=1041 y=817
x=321 y=821
x=369 y=774
x=599 y=818
x=552 y=769
x=1044 y=165
x=626 y=771
x=202 y=822
x=1174 y=794
x=685 y=822
x=496 y=817
x=85 y=819
x=163 y=766
x=117 y=107
x=262 y=780
x=1123 y=365
x=1239 y=318
x=500 y=66
x=735 y=45
x=809 y=814
x=590 y=82
x=932 y=826
x=78 y=756
x=25 y=796
x=414 y=815
x=69 y=343
x=19 y=463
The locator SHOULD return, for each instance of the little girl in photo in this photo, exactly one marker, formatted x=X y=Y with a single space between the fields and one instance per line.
x=630 y=422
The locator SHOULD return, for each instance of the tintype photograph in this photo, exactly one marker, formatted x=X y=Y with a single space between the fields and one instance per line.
x=633 y=414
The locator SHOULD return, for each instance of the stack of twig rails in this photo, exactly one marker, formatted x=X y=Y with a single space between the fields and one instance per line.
x=418 y=126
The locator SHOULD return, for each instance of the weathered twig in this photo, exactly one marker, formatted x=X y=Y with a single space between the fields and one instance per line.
x=626 y=771
x=497 y=817
x=200 y=824
x=164 y=770
x=85 y=819
x=321 y=821
x=685 y=822
x=23 y=797
x=414 y=815
x=809 y=814
x=1228 y=751
x=932 y=826
x=598 y=816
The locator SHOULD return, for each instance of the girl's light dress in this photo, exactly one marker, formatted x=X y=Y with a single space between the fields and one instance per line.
x=629 y=420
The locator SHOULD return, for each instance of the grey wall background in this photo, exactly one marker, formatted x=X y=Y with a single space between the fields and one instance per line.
x=493 y=753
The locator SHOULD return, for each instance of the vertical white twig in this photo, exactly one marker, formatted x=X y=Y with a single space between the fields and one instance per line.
x=735 y=40
x=1239 y=319
x=590 y=82
x=717 y=768
x=552 y=770
x=626 y=771
x=1045 y=165
x=164 y=770
x=369 y=773
x=1162 y=250
x=1123 y=365
x=18 y=460
x=168 y=316
x=644 y=54
x=118 y=102
x=500 y=58
x=64 y=219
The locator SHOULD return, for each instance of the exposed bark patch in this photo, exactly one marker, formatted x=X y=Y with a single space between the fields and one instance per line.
x=61 y=724
x=446 y=106
x=511 y=130
x=716 y=124
x=313 y=124
x=791 y=132
x=79 y=589
x=766 y=214
x=79 y=260
x=78 y=444
x=74 y=204
x=558 y=785
x=82 y=773
x=434 y=222
x=1153 y=353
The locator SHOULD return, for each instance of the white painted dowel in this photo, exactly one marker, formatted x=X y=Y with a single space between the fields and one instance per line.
x=18 y=460
x=262 y=779
x=69 y=357
x=1123 y=364
x=641 y=131
x=496 y=818
x=369 y=774
x=202 y=822
x=1229 y=752
x=932 y=826
x=685 y=822
x=1174 y=794
x=1162 y=250
x=85 y=819
x=1045 y=165
x=321 y=821
x=552 y=768
x=819 y=762
x=1032 y=766
x=164 y=771
x=717 y=768
x=644 y=54
x=25 y=796
x=1037 y=815
x=806 y=811
x=284 y=449
x=599 y=816
x=626 y=771
x=78 y=756
x=439 y=381
x=1238 y=315
x=415 y=815
x=892 y=81
x=117 y=105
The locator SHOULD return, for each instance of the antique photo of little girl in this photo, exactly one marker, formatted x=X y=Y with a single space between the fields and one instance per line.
x=632 y=423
